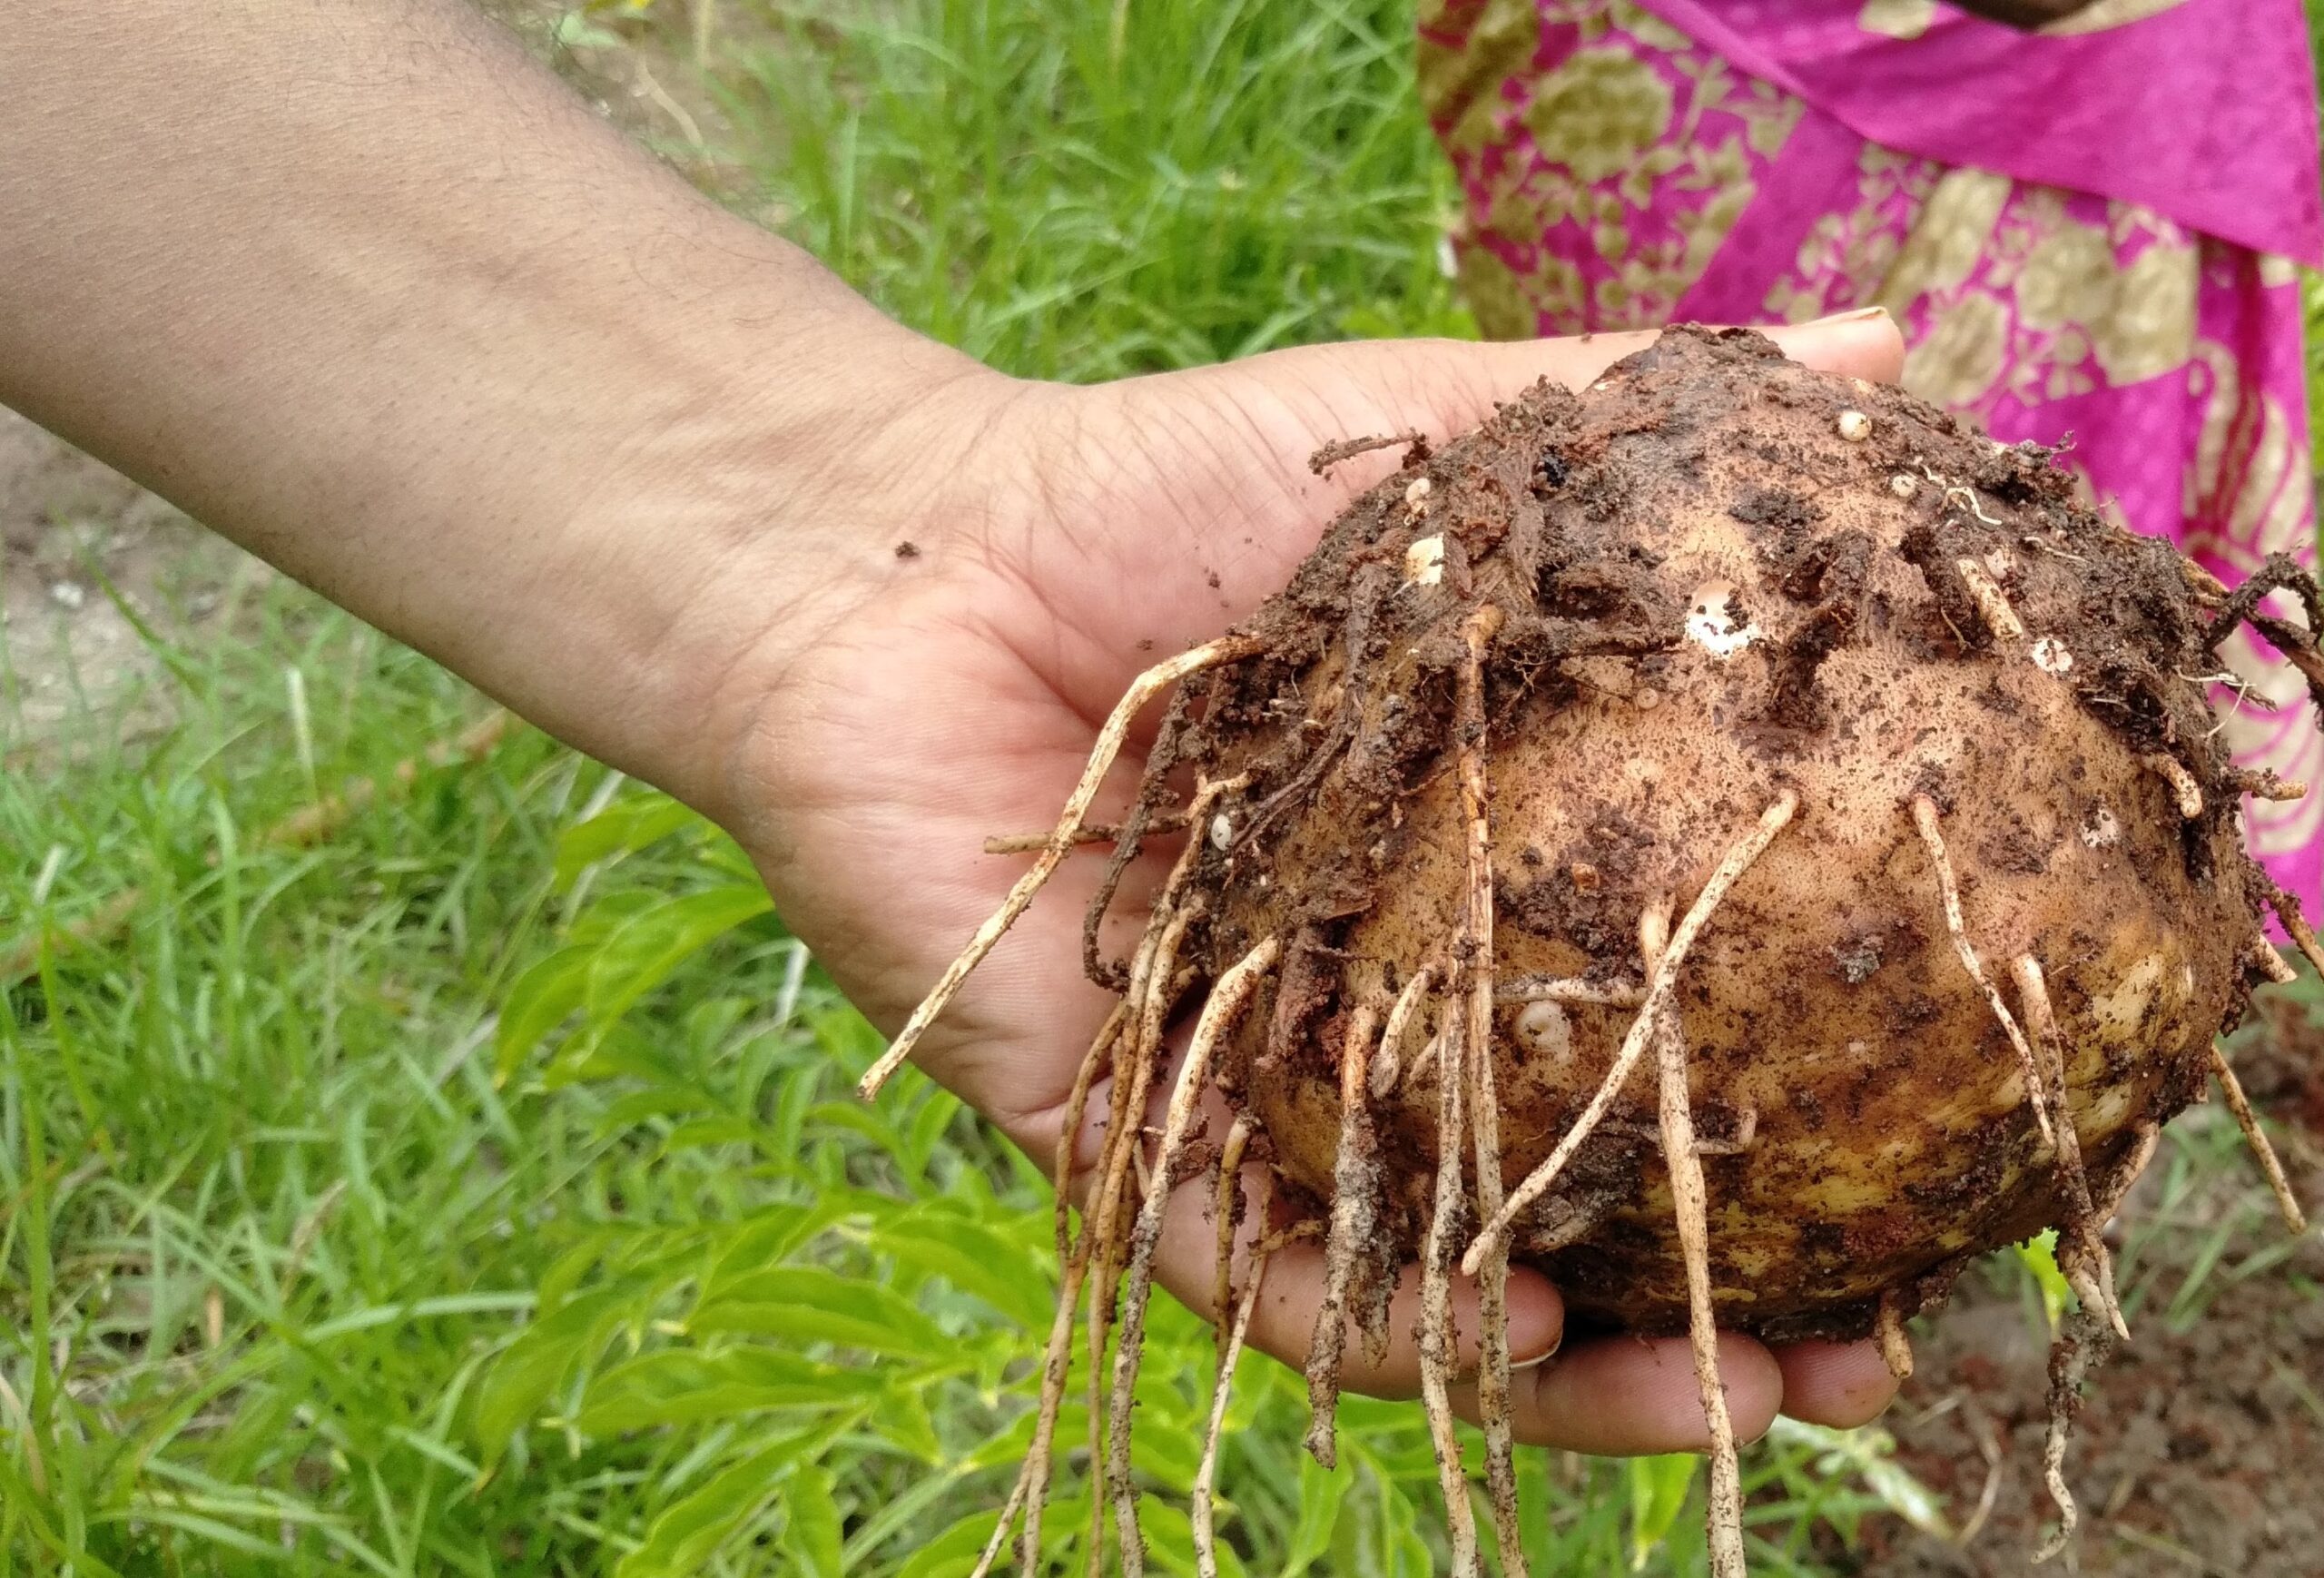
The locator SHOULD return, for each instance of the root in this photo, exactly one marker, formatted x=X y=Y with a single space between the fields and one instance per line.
x=2262 y=785
x=1088 y=833
x=1571 y=990
x=1475 y=956
x=1387 y=1068
x=1077 y=1108
x=1924 y=818
x=1436 y=1334
x=2277 y=572
x=1661 y=982
x=2082 y=1339
x=1888 y=1329
x=2288 y=915
x=1356 y=1226
x=1031 y=1490
x=1690 y=1208
x=1152 y=985
x=2262 y=957
x=1993 y=603
x=2083 y=1257
x=1231 y=1331
x=2174 y=773
x=1000 y=1530
x=2287 y=1203
x=1426 y=1060
x=1340 y=450
x=1225 y=1208
x=1227 y=999
x=1143 y=689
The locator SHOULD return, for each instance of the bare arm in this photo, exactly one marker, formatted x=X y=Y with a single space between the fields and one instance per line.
x=356 y=284
x=359 y=286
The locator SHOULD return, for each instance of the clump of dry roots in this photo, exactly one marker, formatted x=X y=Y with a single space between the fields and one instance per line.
x=1762 y=728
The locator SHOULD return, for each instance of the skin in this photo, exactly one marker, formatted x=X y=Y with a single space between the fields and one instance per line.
x=356 y=284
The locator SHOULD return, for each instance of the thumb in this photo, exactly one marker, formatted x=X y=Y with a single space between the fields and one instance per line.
x=1445 y=386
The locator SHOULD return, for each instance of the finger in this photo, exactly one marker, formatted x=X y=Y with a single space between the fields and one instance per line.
x=1621 y=1396
x=1445 y=386
x=1283 y=1321
x=1842 y=1384
x=1863 y=344
x=1866 y=344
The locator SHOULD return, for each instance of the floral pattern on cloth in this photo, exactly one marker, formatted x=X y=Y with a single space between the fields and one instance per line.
x=1619 y=173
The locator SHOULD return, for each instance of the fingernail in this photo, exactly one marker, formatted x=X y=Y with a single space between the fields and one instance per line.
x=1861 y=315
x=1545 y=1357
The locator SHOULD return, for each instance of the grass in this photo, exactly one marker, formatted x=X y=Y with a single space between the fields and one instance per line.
x=476 y=1191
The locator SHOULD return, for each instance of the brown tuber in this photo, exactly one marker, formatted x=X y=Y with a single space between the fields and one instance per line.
x=1647 y=842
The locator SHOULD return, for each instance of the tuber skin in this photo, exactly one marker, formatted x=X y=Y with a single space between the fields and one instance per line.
x=1895 y=1134
x=522 y=397
x=1748 y=730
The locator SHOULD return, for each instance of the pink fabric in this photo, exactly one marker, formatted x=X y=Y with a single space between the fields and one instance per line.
x=2033 y=305
x=2206 y=111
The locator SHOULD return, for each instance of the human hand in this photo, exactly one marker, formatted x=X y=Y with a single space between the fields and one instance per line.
x=643 y=472
x=924 y=698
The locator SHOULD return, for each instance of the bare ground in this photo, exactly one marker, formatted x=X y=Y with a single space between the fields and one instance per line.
x=2199 y=1440
x=75 y=536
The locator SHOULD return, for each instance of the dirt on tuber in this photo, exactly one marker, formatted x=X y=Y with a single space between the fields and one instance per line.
x=1734 y=838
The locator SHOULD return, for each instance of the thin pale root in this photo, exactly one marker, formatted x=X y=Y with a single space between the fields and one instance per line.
x=1436 y=1335
x=1925 y=817
x=2295 y=926
x=1993 y=603
x=1689 y=1206
x=1143 y=689
x=2173 y=772
x=2269 y=962
x=1661 y=982
x=1388 y=1067
x=1087 y=834
x=1572 y=990
x=1201 y=1510
x=1227 y=999
x=1355 y=1210
x=2287 y=1203
x=1224 y=1206
x=1888 y=1328
x=1476 y=957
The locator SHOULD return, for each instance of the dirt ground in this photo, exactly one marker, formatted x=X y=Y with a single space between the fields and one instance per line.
x=74 y=535
x=2197 y=1446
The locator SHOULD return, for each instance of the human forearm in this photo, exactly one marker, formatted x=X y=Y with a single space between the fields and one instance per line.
x=358 y=285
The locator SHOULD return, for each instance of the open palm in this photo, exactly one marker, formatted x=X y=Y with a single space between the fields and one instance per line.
x=1079 y=537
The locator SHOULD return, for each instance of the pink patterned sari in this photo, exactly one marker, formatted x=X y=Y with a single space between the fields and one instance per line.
x=2087 y=230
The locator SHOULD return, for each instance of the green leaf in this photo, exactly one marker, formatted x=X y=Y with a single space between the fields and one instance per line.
x=691 y=1531
x=813 y=1533
x=1658 y=1487
x=903 y=1419
x=973 y=1259
x=541 y=1000
x=533 y=1367
x=647 y=949
x=807 y=1303
x=1869 y=1455
x=2039 y=1256
x=771 y=1234
x=1170 y=1540
x=1321 y=1492
x=620 y=829
x=686 y=1386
